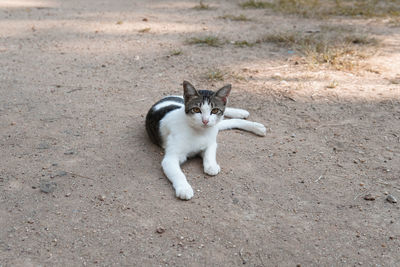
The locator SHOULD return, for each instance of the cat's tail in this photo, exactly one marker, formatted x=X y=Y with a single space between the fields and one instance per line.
x=249 y=126
x=236 y=113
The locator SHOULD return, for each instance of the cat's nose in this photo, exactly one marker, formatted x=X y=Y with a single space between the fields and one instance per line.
x=204 y=121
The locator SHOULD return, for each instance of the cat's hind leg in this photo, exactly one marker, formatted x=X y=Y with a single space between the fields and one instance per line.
x=172 y=169
x=236 y=113
x=250 y=126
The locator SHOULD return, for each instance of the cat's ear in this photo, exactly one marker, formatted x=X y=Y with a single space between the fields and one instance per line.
x=189 y=91
x=224 y=92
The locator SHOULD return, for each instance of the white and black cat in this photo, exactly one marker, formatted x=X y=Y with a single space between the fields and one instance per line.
x=188 y=126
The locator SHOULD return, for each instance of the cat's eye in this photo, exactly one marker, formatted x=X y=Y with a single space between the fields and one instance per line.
x=214 y=111
x=196 y=110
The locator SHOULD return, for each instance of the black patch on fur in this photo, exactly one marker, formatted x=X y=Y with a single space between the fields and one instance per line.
x=171 y=98
x=154 y=117
x=206 y=94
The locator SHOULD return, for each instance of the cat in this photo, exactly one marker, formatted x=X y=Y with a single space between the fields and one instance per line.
x=188 y=126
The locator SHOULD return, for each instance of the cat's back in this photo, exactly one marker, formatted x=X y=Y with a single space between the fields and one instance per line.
x=157 y=113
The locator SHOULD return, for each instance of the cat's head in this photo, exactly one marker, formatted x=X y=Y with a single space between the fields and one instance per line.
x=205 y=108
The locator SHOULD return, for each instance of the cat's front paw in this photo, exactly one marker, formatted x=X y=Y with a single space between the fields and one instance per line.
x=184 y=191
x=212 y=169
x=259 y=129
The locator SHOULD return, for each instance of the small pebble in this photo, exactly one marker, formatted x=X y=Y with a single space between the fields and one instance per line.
x=47 y=186
x=62 y=173
x=69 y=152
x=160 y=230
x=43 y=146
x=67 y=194
x=101 y=197
x=369 y=197
x=391 y=199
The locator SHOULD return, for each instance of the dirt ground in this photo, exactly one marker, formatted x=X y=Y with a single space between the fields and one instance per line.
x=77 y=79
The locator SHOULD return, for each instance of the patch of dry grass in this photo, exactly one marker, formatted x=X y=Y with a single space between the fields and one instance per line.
x=214 y=75
x=209 y=40
x=144 y=30
x=215 y=41
x=328 y=8
x=202 y=6
x=241 y=17
x=256 y=4
x=237 y=76
x=366 y=8
x=332 y=84
x=394 y=22
x=339 y=47
x=175 y=52
x=243 y=44
x=395 y=80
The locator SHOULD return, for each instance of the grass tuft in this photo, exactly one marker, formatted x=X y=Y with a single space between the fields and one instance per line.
x=241 y=17
x=144 y=30
x=206 y=40
x=394 y=22
x=243 y=44
x=256 y=4
x=214 y=75
x=395 y=80
x=332 y=84
x=175 y=52
x=237 y=76
x=366 y=8
x=202 y=6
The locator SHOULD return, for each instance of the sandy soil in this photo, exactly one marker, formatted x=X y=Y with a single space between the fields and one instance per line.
x=76 y=80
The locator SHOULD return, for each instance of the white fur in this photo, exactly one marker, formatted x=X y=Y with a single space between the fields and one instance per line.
x=166 y=104
x=184 y=136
